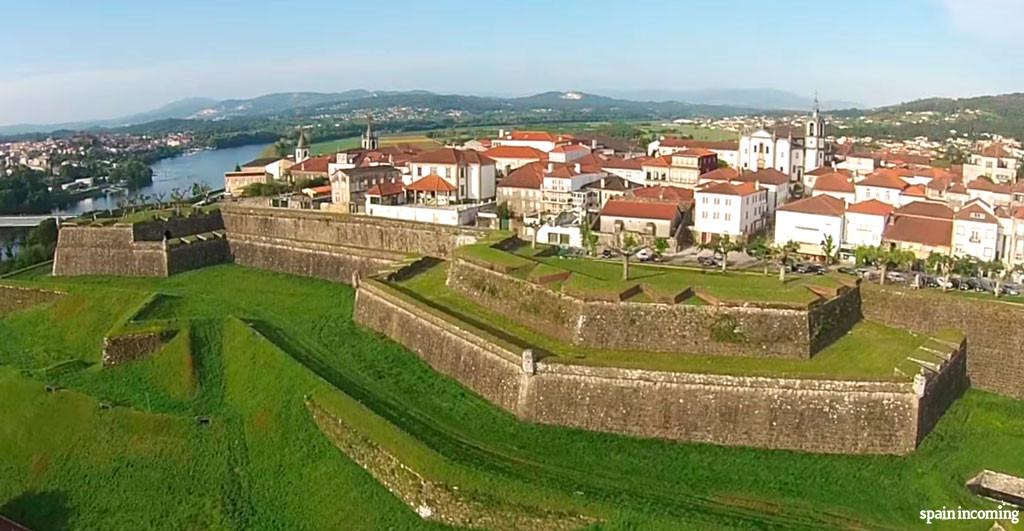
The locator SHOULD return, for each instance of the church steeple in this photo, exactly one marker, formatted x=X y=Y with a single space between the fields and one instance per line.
x=302 y=147
x=371 y=141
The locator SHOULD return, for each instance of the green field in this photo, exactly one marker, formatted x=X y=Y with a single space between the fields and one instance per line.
x=253 y=347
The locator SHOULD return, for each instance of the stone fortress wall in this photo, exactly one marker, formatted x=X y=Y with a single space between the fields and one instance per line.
x=728 y=330
x=139 y=249
x=814 y=415
x=995 y=331
x=330 y=245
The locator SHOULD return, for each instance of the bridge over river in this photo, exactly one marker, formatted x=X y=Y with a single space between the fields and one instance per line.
x=28 y=221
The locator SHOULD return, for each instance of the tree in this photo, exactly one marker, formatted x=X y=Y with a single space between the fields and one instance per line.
x=589 y=238
x=661 y=245
x=996 y=270
x=721 y=246
x=828 y=246
x=866 y=254
x=177 y=198
x=942 y=265
x=892 y=258
x=761 y=249
x=535 y=225
x=781 y=253
x=626 y=246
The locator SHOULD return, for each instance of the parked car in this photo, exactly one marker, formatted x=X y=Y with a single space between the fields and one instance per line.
x=895 y=276
x=846 y=270
x=1012 y=288
x=946 y=283
x=970 y=284
x=607 y=253
x=708 y=261
x=644 y=255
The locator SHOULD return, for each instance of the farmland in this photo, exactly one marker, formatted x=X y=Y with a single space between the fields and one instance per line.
x=214 y=430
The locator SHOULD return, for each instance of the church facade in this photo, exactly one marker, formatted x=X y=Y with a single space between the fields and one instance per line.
x=791 y=149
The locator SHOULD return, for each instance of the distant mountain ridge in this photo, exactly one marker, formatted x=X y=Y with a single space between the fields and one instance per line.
x=757 y=98
x=294 y=103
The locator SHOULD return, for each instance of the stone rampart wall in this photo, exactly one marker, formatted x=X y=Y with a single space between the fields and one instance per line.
x=659 y=327
x=798 y=414
x=309 y=259
x=995 y=337
x=16 y=298
x=184 y=257
x=178 y=226
x=107 y=251
x=347 y=230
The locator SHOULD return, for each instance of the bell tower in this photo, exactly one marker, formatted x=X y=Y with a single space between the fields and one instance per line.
x=814 y=140
x=302 y=148
x=371 y=142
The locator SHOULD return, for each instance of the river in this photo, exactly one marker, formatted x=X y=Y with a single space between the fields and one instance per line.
x=181 y=172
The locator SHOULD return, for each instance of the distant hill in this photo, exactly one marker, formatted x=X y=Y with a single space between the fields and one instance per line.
x=767 y=99
x=1000 y=114
x=299 y=104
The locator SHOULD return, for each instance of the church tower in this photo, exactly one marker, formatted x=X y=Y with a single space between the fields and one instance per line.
x=371 y=142
x=302 y=148
x=814 y=140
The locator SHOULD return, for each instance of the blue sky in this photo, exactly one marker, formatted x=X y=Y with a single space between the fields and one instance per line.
x=73 y=60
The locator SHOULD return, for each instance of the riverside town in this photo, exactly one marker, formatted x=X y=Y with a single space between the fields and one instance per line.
x=558 y=278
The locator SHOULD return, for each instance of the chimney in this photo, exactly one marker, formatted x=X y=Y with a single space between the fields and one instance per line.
x=602 y=182
x=593 y=144
x=577 y=167
x=551 y=166
x=501 y=133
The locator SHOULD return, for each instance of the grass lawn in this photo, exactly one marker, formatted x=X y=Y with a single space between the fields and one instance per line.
x=591 y=276
x=262 y=464
x=869 y=351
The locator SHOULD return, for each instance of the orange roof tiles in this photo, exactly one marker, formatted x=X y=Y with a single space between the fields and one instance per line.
x=821 y=205
x=431 y=183
x=628 y=208
x=872 y=207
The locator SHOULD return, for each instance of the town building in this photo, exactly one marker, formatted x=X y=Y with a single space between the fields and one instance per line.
x=727 y=151
x=520 y=189
x=809 y=222
x=790 y=149
x=540 y=140
x=562 y=188
x=471 y=173
x=884 y=185
x=865 y=223
x=922 y=228
x=642 y=217
x=350 y=185
x=509 y=158
x=723 y=208
x=835 y=184
x=310 y=169
x=995 y=162
x=976 y=231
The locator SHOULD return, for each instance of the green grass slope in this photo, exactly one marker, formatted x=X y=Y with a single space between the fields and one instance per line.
x=262 y=463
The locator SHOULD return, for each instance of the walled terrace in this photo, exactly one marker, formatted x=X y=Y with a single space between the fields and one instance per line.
x=152 y=243
x=875 y=390
x=586 y=303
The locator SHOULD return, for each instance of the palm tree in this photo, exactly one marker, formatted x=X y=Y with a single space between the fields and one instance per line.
x=941 y=264
x=781 y=253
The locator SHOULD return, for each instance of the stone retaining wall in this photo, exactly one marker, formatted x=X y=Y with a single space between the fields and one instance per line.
x=184 y=257
x=130 y=347
x=659 y=327
x=107 y=251
x=309 y=259
x=15 y=298
x=814 y=415
x=348 y=230
x=994 y=330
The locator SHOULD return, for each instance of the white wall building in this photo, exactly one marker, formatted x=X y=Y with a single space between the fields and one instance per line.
x=729 y=209
x=976 y=232
x=471 y=173
x=809 y=221
x=865 y=223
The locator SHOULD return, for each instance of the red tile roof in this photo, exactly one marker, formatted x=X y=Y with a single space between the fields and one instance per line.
x=694 y=152
x=821 y=205
x=386 y=189
x=451 y=156
x=985 y=185
x=925 y=209
x=916 y=190
x=765 y=175
x=629 y=208
x=975 y=212
x=871 y=206
x=313 y=165
x=834 y=182
x=536 y=135
x=884 y=178
x=825 y=170
x=667 y=193
x=996 y=150
x=515 y=152
x=729 y=189
x=660 y=162
x=622 y=164
x=431 y=183
x=721 y=174
x=527 y=176
x=927 y=231
x=566 y=148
